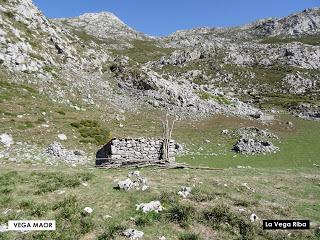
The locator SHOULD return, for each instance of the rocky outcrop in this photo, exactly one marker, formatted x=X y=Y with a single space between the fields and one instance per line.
x=300 y=83
x=254 y=141
x=307 y=111
x=103 y=25
x=215 y=67
x=254 y=146
x=22 y=25
x=306 y=22
x=75 y=157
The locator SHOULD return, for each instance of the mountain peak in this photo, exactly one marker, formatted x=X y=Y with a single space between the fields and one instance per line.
x=100 y=16
x=102 y=25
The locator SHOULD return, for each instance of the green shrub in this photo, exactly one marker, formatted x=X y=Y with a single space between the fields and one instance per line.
x=216 y=216
x=201 y=194
x=6 y=190
x=92 y=132
x=9 y=14
x=71 y=223
x=113 y=230
x=49 y=182
x=245 y=229
x=10 y=178
x=26 y=204
x=242 y=202
x=147 y=218
x=38 y=210
x=168 y=198
x=61 y=112
x=25 y=125
x=181 y=214
x=189 y=236
x=221 y=214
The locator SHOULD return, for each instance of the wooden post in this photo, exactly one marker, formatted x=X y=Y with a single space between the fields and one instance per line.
x=167 y=133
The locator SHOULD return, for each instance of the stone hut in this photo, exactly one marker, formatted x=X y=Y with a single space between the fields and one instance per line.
x=139 y=151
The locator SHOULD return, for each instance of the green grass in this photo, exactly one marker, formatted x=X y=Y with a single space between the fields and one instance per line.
x=9 y=15
x=144 y=51
x=24 y=113
x=208 y=96
x=311 y=40
x=182 y=219
x=299 y=147
x=189 y=236
x=92 y=132
x=88 y=38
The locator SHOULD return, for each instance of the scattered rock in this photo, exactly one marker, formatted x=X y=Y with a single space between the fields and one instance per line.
x=126 y=185
x=253 y=217
x=107 y=216
x=133 y=234
x=60 y=192
x=88 y=210
x=239 y=167
x=85 y=184
x=151 y=206
x=289 y=124
x=78 y=153
x=253 y=132
x=144 y=188
x=72 y=157
x=135 y=181
x=225 y=131
x=3 y=228
x=6 y=139
x=162 y=238
x=6 y=211
x=62 y=137
x=249 y=188
x=184 y=192
x=254 y=146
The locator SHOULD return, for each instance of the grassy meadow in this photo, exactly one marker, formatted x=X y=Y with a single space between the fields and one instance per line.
x=285 y=185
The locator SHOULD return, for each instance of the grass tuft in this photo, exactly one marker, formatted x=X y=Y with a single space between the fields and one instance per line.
x=112 y=231
x=189 y=236
x=181 y=214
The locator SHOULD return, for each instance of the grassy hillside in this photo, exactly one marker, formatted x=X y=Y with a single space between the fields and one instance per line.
x=286 y=184
x=279 y=194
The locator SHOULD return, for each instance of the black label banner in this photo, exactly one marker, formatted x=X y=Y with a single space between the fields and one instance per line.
x=286 y=224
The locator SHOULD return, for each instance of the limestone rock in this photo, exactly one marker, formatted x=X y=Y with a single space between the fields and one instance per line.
x=151 y=206
x=133 y=233
x=88 y=210
x=184 y=192
x=254 y=146
x=6 y=139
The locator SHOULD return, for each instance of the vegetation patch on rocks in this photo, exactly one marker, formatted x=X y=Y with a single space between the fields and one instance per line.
x=92 y=132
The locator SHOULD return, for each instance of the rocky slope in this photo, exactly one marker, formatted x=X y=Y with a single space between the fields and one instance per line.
x=90 y=59
x=104 y=25
x=306 y=22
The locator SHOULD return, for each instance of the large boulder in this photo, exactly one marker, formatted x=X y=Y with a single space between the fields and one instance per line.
x=254 y=146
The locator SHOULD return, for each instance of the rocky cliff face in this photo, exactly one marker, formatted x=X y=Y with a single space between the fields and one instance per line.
x=306 y=22
x=31 y=43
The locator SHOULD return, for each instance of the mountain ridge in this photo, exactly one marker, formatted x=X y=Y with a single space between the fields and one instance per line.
x=100 y=47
